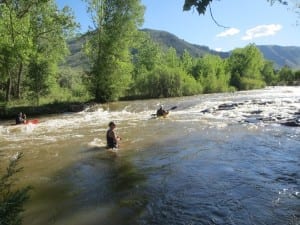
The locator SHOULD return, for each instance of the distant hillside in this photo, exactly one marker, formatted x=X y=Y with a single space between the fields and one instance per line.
x=280 y=55
x=77 y=58
x=168 y=40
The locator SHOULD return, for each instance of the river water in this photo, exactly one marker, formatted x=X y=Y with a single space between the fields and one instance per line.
x=203 y=164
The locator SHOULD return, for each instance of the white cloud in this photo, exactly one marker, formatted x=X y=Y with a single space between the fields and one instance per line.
x=262 y=31
x=229 y=32
x=218 y=49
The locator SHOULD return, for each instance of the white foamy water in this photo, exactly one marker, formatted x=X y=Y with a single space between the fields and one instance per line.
x=272 y=103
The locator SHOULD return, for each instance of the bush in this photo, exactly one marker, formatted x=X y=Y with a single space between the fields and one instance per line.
x=249 y=84
x=166 y=82
x=12 y=201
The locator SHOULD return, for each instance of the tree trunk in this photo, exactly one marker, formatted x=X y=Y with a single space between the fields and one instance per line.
x=19 y=80
x=8 y=89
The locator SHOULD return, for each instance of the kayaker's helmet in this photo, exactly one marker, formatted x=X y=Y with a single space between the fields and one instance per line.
x=111 y=124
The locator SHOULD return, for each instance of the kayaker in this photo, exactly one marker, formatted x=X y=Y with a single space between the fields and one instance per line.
x=112 y=138
x=161 y=111
x=21 y=118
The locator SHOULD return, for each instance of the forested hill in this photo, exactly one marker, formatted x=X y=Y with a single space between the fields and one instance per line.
x=280 y=55
x=168 y=40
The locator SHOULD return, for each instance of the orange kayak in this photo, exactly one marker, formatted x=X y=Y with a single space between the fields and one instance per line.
x=34 y=121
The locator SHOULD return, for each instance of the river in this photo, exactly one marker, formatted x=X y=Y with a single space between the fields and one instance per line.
x=217 y=159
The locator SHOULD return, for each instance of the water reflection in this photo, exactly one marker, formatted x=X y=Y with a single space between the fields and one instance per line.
x=106 y=186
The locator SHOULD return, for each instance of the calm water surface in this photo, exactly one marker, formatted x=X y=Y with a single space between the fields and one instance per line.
x=190 y=168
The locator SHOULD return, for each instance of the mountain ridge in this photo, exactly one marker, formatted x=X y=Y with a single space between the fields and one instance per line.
x=280 y=55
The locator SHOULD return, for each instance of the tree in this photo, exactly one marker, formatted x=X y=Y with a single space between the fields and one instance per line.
x=146 y=56
x=245 y=66
x=49 y=29
x=39 y=71
x=268 y=73
x=116 y=23
x=28 y=28
x=201 y=5
x=297 y=75
x=14 y=43
x=286 y=75
x=166 y=81
x=171 y=59
x=187 y=61
x=210 y=71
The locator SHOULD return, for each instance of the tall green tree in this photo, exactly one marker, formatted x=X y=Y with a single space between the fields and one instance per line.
x=116 y=24
x=268 y=73
x=187 y=61
x=211 y=72
x=245 y=65
x=286 y=75
x=171 y=58
x=147 y=55
x=14 y=43
x=49 y=29
x=29 y=28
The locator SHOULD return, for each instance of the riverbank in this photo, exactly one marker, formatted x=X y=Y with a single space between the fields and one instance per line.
x=51 y=108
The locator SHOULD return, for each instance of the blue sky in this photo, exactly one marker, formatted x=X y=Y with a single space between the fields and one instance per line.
x=252 y=21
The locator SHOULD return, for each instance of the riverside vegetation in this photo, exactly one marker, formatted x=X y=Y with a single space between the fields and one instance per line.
x=12 y=198
x=123 y=62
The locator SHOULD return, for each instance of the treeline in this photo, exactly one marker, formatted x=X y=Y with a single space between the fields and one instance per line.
x=165 y=74
x=123 y=61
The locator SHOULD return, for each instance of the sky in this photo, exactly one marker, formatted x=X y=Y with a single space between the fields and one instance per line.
x=254 y=21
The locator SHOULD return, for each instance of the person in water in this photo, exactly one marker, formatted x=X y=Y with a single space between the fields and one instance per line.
x=21 y=118
x=112 y=138
x=161 y=112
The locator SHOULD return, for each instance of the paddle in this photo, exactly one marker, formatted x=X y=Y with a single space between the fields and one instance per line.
x=174 y=107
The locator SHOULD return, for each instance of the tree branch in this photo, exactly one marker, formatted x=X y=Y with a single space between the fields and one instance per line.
x=213 y=18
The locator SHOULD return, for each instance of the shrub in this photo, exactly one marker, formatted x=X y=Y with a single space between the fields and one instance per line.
x=12 y=200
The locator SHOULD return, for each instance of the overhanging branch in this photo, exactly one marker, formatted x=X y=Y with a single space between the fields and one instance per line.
x=213 y=18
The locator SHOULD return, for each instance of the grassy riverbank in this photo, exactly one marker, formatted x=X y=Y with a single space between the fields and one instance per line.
x=10 y=112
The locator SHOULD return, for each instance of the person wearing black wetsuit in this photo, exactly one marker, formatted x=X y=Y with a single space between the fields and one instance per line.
x=20 y=118
x=161 y=112
x=111 y=137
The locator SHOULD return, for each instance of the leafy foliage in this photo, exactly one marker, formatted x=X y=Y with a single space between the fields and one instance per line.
x=245 y=65
x=122 y=61
x=211 y=72
x=116 y=24
x=30 y=30
x=12 y=200
x=201 y=5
